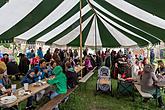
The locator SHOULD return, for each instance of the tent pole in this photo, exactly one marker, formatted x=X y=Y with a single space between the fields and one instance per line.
x=81 y=35
x=95 y=37
x=13 y=46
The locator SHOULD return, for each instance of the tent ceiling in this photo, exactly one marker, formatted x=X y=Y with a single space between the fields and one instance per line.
x=107 y=23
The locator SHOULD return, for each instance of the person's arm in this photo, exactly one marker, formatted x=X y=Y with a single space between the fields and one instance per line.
x=52 y=81
x=154 y=77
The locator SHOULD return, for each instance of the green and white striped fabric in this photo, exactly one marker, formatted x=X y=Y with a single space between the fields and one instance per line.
x=106 y=23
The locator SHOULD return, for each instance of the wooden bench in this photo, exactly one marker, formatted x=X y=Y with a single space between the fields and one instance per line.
x=87 y=76
x=57 y=100
x=143 y=94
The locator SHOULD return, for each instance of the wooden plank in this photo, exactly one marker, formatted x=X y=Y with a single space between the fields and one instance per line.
x=143 y=94
x=32 y=88
x=56 y=100
x=79 y=68
x=86 y=77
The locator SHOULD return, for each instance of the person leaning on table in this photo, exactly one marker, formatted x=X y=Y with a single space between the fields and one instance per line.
x=58 y=82
x=147 y=84
x=3 y=70
x=30 y=78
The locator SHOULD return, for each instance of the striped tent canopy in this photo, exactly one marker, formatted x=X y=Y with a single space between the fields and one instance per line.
x=106 y=23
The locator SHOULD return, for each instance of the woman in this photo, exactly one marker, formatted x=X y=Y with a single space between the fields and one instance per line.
x=5 y=58
x=88 y=64
x=147 y=84
x=161 y=68
x=48 y=56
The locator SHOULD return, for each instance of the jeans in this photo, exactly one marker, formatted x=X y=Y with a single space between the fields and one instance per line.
x=52 y=95
x=29 y=102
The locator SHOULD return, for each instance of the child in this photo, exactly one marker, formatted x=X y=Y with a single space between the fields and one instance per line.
x=59 y=81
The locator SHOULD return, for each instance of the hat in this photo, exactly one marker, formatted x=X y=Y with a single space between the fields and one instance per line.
x=20 y=54
x=2 y=67
x=5 y=54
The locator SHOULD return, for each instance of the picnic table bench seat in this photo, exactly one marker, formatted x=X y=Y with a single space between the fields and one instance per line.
x=87 y=76
x=57 y=100
x=143 y=94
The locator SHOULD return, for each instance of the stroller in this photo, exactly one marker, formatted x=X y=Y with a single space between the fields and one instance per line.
x=104 y=80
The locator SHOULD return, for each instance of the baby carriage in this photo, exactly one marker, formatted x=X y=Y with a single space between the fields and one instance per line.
x=104 y=80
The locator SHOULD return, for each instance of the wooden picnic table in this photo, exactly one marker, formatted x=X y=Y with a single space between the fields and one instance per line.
x=78 y=68
x=20 y=98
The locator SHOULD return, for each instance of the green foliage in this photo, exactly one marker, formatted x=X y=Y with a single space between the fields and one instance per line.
x=7 y=45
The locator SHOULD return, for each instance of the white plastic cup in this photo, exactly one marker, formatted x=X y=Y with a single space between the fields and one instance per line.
x=13 y=87
x=26 y=86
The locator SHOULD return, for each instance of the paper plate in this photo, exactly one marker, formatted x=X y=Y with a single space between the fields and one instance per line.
x=8 y=99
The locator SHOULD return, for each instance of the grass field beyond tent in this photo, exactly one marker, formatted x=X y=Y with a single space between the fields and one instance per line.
x=84 y=98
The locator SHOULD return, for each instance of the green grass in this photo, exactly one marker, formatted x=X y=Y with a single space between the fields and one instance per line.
x=84 y=98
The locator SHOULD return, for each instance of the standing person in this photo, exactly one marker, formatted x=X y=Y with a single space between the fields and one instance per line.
x=5 y=58
x=70 y=53
x=32 y=54
x=23 y=64
x=56 y=56
x=28 y=53
x=98 y=61
x=61 y=55
x=48 y=55
x=59 y=82
x=147 y=84
x=152 y=56
x=85 y=52
x=32 y=58
x=40 y=53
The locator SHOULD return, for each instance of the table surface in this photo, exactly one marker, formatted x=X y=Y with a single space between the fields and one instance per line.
x=32 y=88
x=78 y=68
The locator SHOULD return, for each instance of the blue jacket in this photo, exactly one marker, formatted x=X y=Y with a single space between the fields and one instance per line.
x=28 y=79
x=40 y=70
x=40 y=53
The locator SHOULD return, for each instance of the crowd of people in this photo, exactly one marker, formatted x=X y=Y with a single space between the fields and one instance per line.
x=58 y=68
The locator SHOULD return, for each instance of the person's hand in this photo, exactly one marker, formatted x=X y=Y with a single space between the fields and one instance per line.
x=45 y=70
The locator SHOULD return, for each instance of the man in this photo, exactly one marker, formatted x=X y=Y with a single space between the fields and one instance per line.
x=41 y=67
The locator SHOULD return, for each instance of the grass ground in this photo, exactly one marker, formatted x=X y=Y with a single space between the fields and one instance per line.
x=84 y=98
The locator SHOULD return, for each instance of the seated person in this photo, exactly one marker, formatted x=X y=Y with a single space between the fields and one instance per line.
x=6 y=81
x=72 y=78
x=12 y=68
x=2 y=83
x=51 y=66
x=161 y=68
x=59 y=82
x=41 y=67
x=29 y=78
x=87 y=63
x=147 y=84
